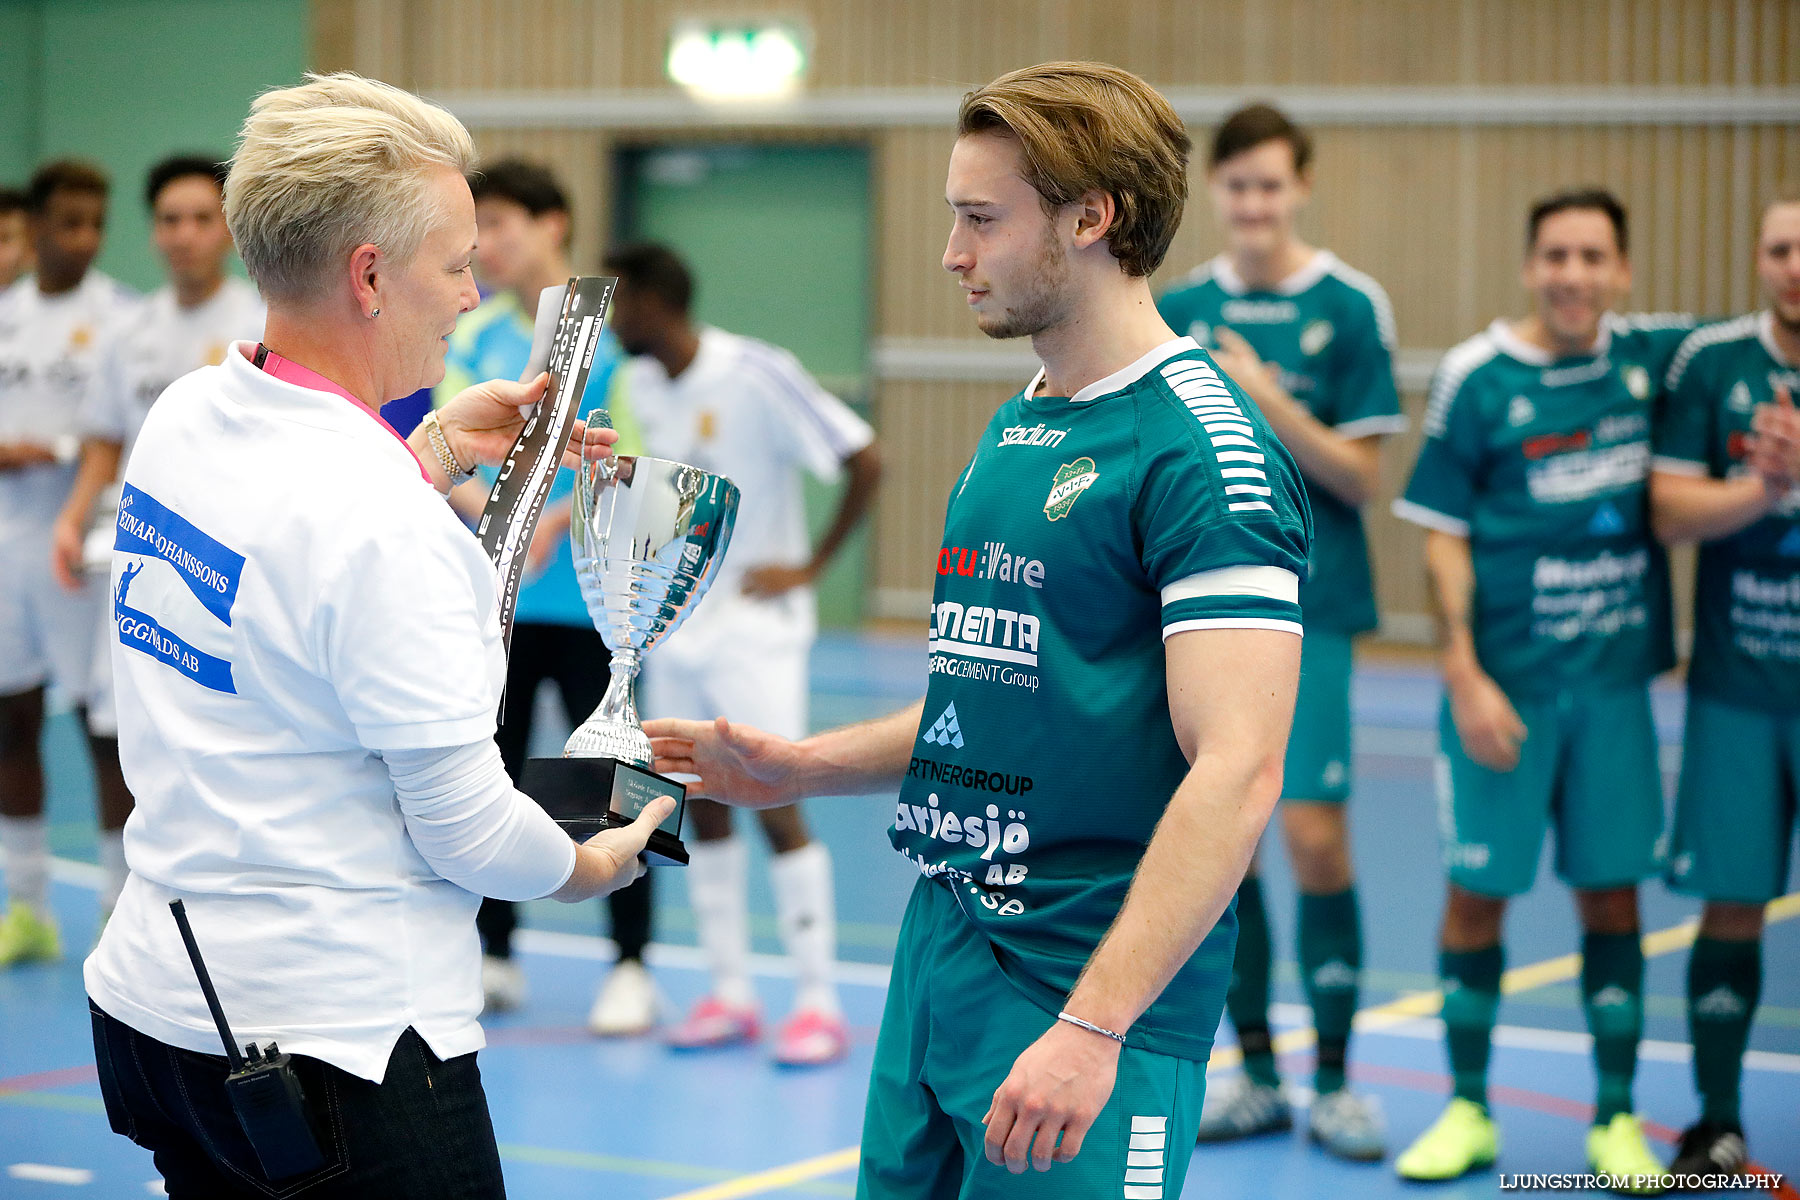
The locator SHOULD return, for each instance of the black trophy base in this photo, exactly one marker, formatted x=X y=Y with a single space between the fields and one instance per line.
x=588 y=795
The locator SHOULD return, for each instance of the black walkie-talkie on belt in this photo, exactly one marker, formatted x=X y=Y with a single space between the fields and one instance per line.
x=264 y=1092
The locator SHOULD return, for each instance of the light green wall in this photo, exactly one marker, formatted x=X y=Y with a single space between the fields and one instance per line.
x=127 y=82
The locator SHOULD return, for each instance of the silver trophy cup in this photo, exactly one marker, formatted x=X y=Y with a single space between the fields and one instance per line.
x=648 y=536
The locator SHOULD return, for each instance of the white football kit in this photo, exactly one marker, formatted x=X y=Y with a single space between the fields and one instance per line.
x=50 y=350
x=749 y=411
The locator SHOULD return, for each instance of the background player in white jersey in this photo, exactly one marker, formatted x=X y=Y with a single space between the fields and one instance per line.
x=1725 y=474
x=749 y=411
x=54 y=326
x=15 y=237
x=1312 y=341
x=182 y=326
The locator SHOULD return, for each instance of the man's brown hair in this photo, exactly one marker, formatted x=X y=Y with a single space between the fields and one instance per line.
x=1251 y=126
x=1083 y=127
x=63 y=175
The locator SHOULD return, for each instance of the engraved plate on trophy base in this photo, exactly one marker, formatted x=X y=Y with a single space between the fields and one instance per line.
x=587 y=795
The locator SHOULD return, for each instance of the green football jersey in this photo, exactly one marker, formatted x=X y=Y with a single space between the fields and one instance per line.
x=1084 y=531
x=1542 y=465
x=1329 y=330
x=1747 y=586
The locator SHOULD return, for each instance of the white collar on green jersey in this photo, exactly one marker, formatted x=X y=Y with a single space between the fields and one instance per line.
x=1124 y=377
x=1315 y=269
x=1514 y=346
x=1765 y=333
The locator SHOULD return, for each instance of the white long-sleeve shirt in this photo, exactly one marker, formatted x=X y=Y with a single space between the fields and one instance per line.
x=308 y=666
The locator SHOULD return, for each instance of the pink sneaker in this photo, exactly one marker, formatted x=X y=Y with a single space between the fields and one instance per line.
x=812 y=1038
x=712 y=1023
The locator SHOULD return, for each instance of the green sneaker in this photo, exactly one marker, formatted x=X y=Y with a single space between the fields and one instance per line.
x=1618 y=1150
x=1463 y=1139
x=27 y=937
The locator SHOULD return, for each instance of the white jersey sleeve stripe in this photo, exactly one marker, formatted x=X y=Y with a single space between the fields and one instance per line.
x=1274 y=583
x=1430 y=518
x=1677 y=466
x=1293 y=627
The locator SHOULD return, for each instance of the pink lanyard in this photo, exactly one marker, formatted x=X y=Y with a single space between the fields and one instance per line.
x=292 y=372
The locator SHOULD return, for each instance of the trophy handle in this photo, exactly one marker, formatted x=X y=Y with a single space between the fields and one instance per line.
x=614 y=731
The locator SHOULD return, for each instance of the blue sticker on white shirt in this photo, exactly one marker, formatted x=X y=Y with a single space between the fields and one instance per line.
x=142 y=632
x=211 y=569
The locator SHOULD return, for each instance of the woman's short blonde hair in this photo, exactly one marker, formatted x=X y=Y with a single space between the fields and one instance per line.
x=325 y=167
x=1085 y=126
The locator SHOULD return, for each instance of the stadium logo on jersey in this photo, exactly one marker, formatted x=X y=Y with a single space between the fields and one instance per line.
x=992 y=561
x=1739 y=399
x=946 y=730
x=1071 y=480
x=1637 y=382
x=1032 y=435
x=1315 y=337
x=1520 y=412
x=1607 y=521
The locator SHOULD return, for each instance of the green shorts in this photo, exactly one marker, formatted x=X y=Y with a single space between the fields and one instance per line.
x=952 y=1028
x=1318 y=751
x=1734 y=808
x=1589 y=763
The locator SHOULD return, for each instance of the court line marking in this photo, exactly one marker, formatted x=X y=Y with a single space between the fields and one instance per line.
x=1404 y=1009
x=1395 y=1012
x=1520 y=979
x=48 y=1173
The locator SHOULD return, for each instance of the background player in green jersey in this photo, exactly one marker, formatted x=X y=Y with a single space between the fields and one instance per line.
x=1312 y=341
x=1727 y=462
x=1112 y=674
x=1553 y=602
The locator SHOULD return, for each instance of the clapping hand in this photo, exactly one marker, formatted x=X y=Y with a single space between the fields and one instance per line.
x=1774 y=451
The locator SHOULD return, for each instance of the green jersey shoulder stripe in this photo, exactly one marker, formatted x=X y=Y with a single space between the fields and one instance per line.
x=1461 y=361
x=1737 y=329
x=1375 y=294
x=1240 y=456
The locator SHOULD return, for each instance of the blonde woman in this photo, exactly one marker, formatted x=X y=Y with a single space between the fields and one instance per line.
x=308 y=667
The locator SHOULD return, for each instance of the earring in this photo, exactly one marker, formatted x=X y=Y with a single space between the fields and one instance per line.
x=374 y=312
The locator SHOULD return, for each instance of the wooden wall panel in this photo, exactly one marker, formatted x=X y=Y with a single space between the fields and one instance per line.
x=1435 y=212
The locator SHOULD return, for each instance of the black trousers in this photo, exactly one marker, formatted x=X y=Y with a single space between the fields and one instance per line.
x=576 y=660
x=423 y=1133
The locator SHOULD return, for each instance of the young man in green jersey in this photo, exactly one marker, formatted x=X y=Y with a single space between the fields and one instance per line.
x=1727 y=462
x=1113 y=656
x=1553 y=604
x=1312 y=341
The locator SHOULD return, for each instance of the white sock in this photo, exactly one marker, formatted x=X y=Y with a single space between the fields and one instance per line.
x=717 y=878
x=112 y=865
x=806 y=910
x=26 y=841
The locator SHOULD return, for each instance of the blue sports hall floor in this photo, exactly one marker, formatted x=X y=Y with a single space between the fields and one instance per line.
x=578 y=1117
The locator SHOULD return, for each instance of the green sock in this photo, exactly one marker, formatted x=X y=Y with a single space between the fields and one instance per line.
x=1248 y=999
x=1724 y=984
x=1471 y=1002
x=1612 y=996
x=1330 y=963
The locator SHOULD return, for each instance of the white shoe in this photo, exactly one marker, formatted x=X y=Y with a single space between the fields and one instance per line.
x=502 y=984
x=626 y=1004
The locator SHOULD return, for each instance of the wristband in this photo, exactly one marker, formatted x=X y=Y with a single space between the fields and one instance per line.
x=1076 y=1021
x=434 y=433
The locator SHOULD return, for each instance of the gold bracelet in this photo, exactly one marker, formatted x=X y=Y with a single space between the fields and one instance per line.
x=434 y=433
